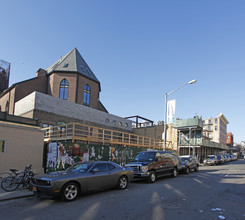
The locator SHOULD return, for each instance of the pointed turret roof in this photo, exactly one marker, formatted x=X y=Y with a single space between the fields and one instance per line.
x=72 y=62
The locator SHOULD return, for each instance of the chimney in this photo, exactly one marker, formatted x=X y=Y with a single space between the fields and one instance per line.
x=41 y=73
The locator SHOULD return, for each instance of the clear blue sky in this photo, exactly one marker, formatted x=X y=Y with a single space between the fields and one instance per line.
x=139 y=50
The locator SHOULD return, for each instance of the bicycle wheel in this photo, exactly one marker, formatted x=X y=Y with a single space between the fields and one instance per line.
x=10 y=184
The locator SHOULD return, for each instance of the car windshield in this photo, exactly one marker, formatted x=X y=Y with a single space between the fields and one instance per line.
x=184 y=159
x=211 y=157
x=81 y=167
x=145 y=156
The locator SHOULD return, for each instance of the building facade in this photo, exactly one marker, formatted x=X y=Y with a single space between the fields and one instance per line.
x=191 y=140
x=216 y=128
x=21 y=143
x=67 y=86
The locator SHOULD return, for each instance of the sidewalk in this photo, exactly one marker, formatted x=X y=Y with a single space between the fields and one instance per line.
x=17 y=194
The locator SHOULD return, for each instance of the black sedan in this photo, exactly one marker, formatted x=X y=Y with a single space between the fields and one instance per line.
x=81 y=178
x=189 y=163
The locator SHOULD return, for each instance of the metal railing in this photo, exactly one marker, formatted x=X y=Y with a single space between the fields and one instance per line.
x=82 y=132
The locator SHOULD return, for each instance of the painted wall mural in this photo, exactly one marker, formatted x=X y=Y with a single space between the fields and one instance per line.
x=61 y=155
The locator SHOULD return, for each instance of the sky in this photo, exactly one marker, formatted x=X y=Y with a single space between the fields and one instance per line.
x=139 y=50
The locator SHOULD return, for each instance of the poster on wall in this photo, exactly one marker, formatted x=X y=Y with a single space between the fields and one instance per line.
x=61 y=155
x=52 y=155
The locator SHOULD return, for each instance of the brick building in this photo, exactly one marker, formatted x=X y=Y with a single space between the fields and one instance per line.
x=229 y=140
x=68 y=84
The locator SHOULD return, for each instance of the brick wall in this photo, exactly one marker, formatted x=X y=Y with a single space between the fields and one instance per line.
x=54 y=85
x=75 y=88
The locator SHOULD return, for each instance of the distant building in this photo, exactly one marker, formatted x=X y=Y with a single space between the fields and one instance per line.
x=4 y=75
x=229 y=139
x=191 y=140
x=216 y=128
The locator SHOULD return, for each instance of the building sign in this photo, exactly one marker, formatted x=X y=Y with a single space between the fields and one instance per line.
x=171 y=111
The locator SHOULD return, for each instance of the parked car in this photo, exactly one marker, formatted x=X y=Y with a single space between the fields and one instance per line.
x=227 y=157
x=241 y=156
x=189 y=163
x=220 y=159
x=81 y=178
x=153 y=164
x=210 y=160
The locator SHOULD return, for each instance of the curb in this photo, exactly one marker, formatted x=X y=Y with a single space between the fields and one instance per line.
x=16 y=197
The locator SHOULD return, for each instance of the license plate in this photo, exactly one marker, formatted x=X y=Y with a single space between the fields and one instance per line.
x=34 y=188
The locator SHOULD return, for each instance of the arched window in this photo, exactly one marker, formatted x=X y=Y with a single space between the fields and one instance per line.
x=64 y=88
x=86 y=95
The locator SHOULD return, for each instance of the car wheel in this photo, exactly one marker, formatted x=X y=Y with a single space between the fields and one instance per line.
x=152 y=177
x=187 y=170
x=123 y=182
x=174 y=174
x=196 y=168
x=70 y=191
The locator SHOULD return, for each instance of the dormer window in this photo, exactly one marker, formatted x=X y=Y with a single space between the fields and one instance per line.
x=88 y=71
x=66 y=65
x=64 y=89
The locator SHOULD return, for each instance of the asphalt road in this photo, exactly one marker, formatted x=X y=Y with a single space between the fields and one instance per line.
x=215 y=192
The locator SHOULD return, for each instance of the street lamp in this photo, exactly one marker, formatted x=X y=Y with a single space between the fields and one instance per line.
x=166 y=101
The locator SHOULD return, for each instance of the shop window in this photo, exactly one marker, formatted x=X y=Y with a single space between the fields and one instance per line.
x=64 y=89
x=86 y=95
x=2 y=146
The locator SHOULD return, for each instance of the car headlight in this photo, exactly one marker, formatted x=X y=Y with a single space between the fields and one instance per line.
x=49 y=182
x=144 y=169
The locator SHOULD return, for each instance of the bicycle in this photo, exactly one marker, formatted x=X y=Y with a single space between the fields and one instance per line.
x=15 y=179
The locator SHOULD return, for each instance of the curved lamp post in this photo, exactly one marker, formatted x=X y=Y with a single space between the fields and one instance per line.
x=166 y=101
